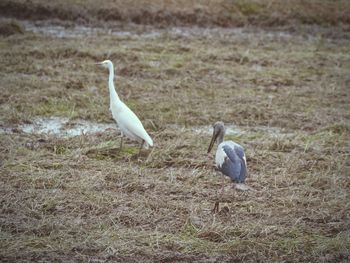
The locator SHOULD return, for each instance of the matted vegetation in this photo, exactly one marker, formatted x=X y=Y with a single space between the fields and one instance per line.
x=185 y=12
x=81 y=199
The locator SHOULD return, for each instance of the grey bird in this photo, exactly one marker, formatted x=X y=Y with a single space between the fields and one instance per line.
x=230 y=158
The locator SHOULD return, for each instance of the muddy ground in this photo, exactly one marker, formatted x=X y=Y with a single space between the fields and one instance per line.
x=69 y=194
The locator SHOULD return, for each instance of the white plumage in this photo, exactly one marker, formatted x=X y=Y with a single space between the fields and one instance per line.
x=128 y=122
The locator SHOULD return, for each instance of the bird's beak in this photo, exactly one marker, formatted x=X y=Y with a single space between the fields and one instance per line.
x=99 y=63
x=213 y=139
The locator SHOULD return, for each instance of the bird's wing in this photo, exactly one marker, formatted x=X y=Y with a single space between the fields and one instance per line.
x=239 y=151
x=235 y=163
x=133 y=124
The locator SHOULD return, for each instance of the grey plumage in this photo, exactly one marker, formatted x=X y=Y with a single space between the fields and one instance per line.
x=229 y=157
x=234 y=165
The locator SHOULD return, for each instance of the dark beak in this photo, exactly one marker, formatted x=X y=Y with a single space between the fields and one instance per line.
x=213 y=139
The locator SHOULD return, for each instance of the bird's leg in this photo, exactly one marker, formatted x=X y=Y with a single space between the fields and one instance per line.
x=216 y=206
x=121 y=142
x=222 y=185
x=141 y=147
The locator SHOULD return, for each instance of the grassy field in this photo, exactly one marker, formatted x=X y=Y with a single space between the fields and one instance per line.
x=81 y=199
x=162 y=13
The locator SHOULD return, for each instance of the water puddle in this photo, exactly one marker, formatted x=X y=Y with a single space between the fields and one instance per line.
x=208 y=129
x=138 y=32
x=61 y=31
x=63 y=127
x=235 y=130
x=60 y=127
x=42 y=27
x=224 y=33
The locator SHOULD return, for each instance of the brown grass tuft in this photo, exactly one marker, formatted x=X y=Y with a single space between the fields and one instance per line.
x=8 y=28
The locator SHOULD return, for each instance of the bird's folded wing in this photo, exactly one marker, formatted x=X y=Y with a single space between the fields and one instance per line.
x=134 y=125
x=238 y=164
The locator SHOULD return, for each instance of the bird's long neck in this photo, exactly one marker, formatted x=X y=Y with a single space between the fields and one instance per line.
x=113 y=94
x=220 y=138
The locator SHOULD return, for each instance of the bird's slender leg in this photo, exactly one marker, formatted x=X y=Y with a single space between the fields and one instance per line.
x=222 y=193
x=216 y=207
x=141 y=147
x=121 y=141
x=217 y=203
x=222 y=185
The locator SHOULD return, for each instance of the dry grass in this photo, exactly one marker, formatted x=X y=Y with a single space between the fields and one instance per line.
x=80 y=199
x=191 y=12
x=8 y=28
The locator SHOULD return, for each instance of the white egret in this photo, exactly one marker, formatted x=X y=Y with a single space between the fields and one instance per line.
x=128 y=122
x=229 y=158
